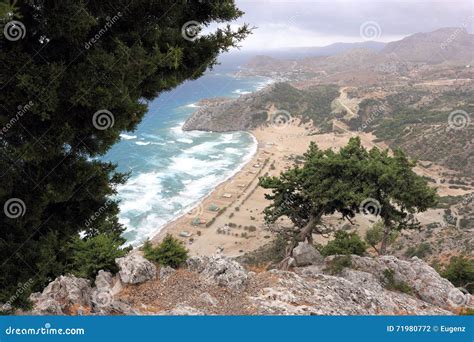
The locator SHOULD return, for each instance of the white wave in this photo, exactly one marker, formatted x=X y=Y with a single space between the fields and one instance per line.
x=127 y=137
x=264 y=84
x=227 y=137
x=214 y=156
x=204 y=148
x=234 y=150
x=142 y=196
x=241 y=92
x=190 y=165
x=143 y=143
x=185 y=140
x=193 y=105
x=178 y=129
x=139 y=193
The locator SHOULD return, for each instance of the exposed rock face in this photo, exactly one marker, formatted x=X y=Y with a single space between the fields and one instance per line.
x=61 y=295
x=305 y=254
x=165 y=272
x=423 y=279
x=320 y=294
x=69 y=295
x=222 y=270
x=229 y=115
x=103 y=296
x=220 y=285
x=135 y=269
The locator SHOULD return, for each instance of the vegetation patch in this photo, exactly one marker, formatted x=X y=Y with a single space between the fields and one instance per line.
x=344 y=243
x=391 y=284
x=337 y=264
x=170 y=252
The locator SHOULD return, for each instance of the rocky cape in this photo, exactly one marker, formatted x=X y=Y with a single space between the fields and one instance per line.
x=221 y=285
x=227 y=114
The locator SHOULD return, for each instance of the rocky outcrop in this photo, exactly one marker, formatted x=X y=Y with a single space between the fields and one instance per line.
x=220 y=285
x=221 y=270
x=135 y=269
x=69 y=295
x=61 y=296
x=166 y=272
x=227 y=115
x=305 y=254
x=307 y=293
x=426 y=283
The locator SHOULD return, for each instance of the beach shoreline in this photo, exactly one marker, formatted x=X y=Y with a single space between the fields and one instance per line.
x=236 y=223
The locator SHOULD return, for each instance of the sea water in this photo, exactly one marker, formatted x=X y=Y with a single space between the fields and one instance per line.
x=172 y=170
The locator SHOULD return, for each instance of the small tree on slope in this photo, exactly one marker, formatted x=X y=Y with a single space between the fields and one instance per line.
x=341 y=182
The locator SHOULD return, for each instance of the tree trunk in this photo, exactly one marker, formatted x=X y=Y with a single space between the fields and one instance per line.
x=305 y=234
x=385 y=238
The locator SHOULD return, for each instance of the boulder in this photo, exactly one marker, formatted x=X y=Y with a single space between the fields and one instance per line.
x=166 y=272
x=289 y=293
x=426 y=283
x=61 y=295
x=135 y=269
x=305 y=254
x=104 y=280
x=222 y=270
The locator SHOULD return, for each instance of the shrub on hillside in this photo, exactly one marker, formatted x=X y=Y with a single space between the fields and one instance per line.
x=91 y=254
x=374 y=236
x=460 y=272
x=421 y=250
x=170 y=252
x=344 y=243
x=336 y=265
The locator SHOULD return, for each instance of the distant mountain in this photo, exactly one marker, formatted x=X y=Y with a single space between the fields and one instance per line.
x=329 y=50
x=446 y=44
x=454 y=46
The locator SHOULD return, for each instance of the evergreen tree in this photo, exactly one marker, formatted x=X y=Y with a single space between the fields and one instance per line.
x=74 y=74
x=352 y=180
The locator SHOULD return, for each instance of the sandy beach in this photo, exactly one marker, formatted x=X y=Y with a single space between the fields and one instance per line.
x=231 y=217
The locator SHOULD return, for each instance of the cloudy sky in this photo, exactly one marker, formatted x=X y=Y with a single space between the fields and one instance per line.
x=297 y=23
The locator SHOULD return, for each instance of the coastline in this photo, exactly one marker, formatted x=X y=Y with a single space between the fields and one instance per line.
x=238 y=225
x=195 y=208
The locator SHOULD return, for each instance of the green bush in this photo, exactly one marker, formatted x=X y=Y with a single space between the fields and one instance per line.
x=91 y=254
x=344 y=243
x=460 y=272
x=170 y=252
x=336 y=265
x=391 y=284
x=374 y=235
x=420 y=251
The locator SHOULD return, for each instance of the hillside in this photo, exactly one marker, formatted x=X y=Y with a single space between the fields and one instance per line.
x=446 y=44
x=222 y=286
x=409 y=57
x=253 y=110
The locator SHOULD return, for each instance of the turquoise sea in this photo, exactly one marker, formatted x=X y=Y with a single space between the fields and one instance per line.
x=172 y=170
